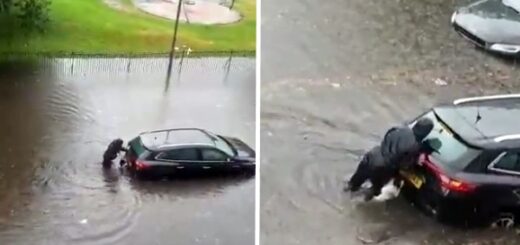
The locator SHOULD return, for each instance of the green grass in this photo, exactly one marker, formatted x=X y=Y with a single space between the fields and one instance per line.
x=91 y=27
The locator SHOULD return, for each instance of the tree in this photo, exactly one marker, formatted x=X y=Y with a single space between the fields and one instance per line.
x=5 y=5
x=33 y=14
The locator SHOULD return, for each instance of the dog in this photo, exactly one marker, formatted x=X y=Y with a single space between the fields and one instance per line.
x=390 y=191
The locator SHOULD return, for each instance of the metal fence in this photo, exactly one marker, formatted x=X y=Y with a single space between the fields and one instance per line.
x=66 y=54
x=207 y=65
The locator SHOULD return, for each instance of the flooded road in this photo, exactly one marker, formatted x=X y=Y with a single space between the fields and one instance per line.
x=58 y=117
x=357 y=68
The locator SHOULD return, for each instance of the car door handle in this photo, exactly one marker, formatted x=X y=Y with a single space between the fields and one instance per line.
x=206 y=167
x=180 y=167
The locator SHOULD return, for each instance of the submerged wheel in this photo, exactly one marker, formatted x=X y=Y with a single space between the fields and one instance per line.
x=504 y=220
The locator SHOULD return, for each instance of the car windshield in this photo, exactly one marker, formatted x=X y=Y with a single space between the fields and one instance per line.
x=448 y=150
x=514 y=4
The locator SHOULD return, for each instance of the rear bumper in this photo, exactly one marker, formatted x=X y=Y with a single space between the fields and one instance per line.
x=451 y=208
x=145 y=174
x=152 y=172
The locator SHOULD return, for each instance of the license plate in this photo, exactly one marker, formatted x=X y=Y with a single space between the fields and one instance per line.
x=415 y=180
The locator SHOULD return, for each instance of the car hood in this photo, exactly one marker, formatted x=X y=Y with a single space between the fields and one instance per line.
x=243 y=150
x=494 y=21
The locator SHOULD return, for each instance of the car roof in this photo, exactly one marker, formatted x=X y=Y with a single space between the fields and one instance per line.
x=486 y=122
x=176 y=138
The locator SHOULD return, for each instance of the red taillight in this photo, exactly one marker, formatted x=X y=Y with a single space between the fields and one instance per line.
x=139 y=165
x=130 y=159
x=446 y=182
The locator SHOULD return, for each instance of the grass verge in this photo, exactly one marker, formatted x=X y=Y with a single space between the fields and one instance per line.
x=90 y=27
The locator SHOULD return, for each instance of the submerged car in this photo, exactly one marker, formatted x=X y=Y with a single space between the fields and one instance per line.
x=472 y=172
x=491 y=24
x=187 y=151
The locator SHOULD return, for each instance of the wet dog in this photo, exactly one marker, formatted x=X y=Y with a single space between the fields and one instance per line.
x=389 y=191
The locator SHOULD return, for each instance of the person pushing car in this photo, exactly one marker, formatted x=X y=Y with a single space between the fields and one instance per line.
x=400 y=148
x=112 y=151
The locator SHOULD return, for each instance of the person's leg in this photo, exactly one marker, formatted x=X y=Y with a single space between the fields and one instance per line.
x=107 y=163
x=359 y=177
x=107 y=159
x=375 y=190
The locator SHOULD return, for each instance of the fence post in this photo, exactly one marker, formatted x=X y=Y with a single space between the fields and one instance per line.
x=180 y=65
x=72 y=66
x=228 y=66
x=128 y=65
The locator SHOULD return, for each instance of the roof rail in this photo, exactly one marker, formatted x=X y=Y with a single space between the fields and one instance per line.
x=171 y=129
x=183 y=144
x=507 y=137
x=481 y=98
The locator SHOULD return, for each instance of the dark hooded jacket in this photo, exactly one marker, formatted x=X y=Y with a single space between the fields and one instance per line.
x=374 y=158
x=399 y=147
x=113 y=149
x=402 y=145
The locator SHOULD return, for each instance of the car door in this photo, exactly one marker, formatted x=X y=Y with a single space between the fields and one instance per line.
x=503 y=184
x=214 y=160
x=182 y=160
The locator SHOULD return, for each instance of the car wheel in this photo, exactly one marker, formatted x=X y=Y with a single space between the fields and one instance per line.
x=504 y=220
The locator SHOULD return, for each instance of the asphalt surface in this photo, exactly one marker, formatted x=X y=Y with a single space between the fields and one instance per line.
x=59 y=116
x=335 y=76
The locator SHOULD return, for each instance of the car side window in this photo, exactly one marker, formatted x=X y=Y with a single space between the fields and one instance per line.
x=213 y=155
x=509 y=162
x=188 y=154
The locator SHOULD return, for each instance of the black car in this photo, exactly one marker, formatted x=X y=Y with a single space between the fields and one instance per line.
x=472 y=172
x=187 y=151
x=491 y=24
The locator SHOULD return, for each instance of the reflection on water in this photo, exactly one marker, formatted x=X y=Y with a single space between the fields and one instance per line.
x=59 y=114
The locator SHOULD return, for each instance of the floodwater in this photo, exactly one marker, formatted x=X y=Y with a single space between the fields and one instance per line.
x=58 y=117
x=356 y=68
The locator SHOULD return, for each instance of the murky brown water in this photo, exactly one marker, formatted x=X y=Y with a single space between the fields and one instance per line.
x=357 y=68
x=58 y=117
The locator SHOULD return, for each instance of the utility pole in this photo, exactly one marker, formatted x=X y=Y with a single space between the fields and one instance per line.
x=174 y=41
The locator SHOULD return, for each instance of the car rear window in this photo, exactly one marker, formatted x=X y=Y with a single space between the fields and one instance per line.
x=449 y=150
x=221 y=144
x=136 y=146
x=224 y=146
